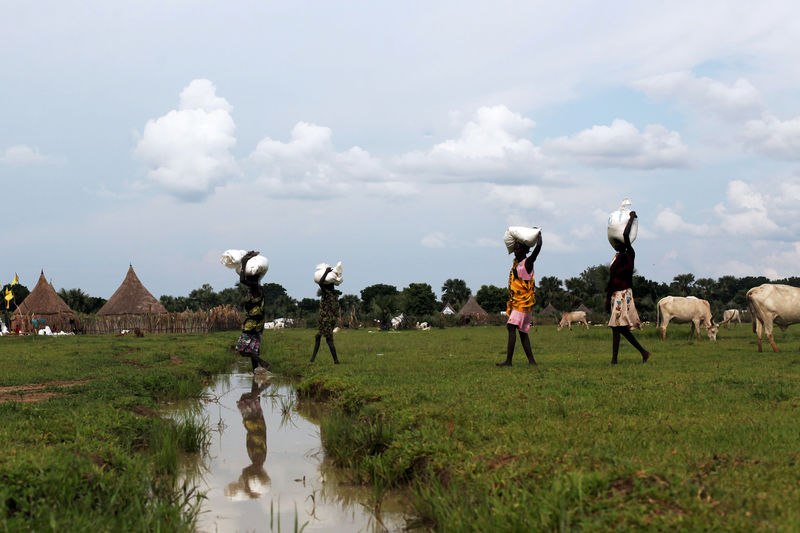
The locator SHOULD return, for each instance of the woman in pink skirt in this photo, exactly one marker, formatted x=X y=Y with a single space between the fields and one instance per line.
x=619 y=295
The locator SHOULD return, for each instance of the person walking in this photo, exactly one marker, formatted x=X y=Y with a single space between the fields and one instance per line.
x=249 y=343
x=328 y=315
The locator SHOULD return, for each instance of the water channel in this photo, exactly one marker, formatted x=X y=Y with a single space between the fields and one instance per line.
x=265 y=470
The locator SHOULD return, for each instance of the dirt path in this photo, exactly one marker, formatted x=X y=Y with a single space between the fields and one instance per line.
x=34 y=393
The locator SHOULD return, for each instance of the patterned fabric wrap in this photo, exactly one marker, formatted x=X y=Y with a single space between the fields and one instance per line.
x=328 y=313
x=253 y=314
x=249 y=344
x=521 y=293
x=623 y=310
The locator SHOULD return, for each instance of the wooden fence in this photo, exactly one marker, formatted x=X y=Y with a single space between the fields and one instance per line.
x=220 y=318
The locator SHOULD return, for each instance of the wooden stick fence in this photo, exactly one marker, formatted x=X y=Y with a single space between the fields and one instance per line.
x=222 y=318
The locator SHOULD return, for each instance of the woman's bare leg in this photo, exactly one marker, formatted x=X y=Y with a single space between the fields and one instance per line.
x=512 y=341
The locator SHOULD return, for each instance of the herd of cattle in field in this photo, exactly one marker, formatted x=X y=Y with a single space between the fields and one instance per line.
x=768 y=305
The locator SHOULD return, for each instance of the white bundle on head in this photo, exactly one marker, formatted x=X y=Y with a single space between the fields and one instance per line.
x=523 y=234
x=256 y=266
x=233 y=259
x=334 y=276
x=617 y=221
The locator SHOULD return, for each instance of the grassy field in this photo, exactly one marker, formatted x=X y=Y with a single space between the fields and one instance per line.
x=705 y=436
x=83 y=448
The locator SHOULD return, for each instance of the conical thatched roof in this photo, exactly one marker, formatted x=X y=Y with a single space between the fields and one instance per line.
x=43 y=300
x=132 y=298
x=471 y=308
x=448 y=309
x=583 y=308
x=549 y=310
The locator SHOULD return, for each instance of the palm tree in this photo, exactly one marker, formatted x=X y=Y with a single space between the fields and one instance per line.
x=455 y=292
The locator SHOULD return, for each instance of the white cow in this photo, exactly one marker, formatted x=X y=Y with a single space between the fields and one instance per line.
x=730 y=315
x=773 y=304
x=579 y=317
x=683 y=310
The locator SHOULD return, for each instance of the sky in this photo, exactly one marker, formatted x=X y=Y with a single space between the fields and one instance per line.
x=401 y=138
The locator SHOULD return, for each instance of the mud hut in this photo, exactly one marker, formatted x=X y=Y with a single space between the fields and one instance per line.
x=132 y=298
x=472 y=311
x=583 y=308
x=45 y=306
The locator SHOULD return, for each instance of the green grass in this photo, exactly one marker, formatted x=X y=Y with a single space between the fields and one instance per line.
x=705 y=436
x=97 y=457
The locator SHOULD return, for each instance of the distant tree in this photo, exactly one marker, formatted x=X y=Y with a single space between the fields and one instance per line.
x=80 y=302
x=455 y=292
x=174 y=304
x=682 y=284
x=384 y=308
x=419 y=299
x=549 y=291
x=308 y=305
x=368 y=294
x=493 y=299
x=232 y=296
x=349 y=302
x=203 y=298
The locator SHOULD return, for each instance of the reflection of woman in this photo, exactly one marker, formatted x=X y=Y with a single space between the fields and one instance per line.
x=253 y=419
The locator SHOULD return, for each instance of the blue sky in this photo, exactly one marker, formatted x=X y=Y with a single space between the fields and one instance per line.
x=399 y=138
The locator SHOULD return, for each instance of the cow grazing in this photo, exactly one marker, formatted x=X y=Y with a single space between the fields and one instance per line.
x=579 y=317
x=682 y=310
x=773 y=304
x=730 y=315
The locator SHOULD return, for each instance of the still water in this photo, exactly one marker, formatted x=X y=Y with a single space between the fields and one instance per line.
x=265 y=469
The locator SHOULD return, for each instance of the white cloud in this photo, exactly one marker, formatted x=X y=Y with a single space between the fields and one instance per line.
x=434 y=240
x=520 y=197
x=187 y=151
x=622 y=145
x=710 y=97
x=491 y=147
x=669 y=221
x=21 y=155
x=774 y=137
x=308 y=166
x=745 y=212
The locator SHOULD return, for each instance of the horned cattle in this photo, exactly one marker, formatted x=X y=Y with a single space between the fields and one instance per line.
x=729 y=315
x=682 y=310
x=579 y=317
x=773 y=304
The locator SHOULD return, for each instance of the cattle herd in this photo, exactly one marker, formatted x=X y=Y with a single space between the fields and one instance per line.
x=768 y=304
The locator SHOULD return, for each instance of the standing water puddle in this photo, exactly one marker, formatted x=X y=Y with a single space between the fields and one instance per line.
x=264 y=468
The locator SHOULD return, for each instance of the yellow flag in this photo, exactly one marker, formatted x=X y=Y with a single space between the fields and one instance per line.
x=16 y=279
x=9 y=297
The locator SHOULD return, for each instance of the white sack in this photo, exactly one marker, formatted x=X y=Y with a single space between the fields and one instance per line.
x=257 y=266
x=523 y=234
x=617 y=221
x=335 y=276
x=233 y=259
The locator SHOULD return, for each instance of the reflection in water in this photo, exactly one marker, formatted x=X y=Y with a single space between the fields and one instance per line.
x=253 y=477
x=300 y=492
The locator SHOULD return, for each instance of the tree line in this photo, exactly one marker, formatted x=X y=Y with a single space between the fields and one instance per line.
x=382 y=301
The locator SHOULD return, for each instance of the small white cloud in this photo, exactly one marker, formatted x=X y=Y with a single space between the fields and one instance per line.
x=520 y=197
x=774 y=137
x=187 y=151
x=491 y=147
x=622 y=145
x=22 y=155
x=735 y=102
x=308 y=166
x=434 y=240
x=745 y=212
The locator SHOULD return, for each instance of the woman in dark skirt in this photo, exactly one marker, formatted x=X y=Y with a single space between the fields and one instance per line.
x=249 y=344
x=619 y=295
x=328 y=315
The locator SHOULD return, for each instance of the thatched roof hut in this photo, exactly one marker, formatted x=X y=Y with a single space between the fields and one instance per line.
x=448 y=309
x=43 y=303
x=132 y=298
x=583 y=308
x=549 y=310
x=473 y=310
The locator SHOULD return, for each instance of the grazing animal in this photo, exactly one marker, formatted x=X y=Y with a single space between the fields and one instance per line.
x=579 y=317
x=773 y=304
x=682 y=310
x=729 y=315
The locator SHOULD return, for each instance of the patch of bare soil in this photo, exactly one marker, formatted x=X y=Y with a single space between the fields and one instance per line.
x=34 y=392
